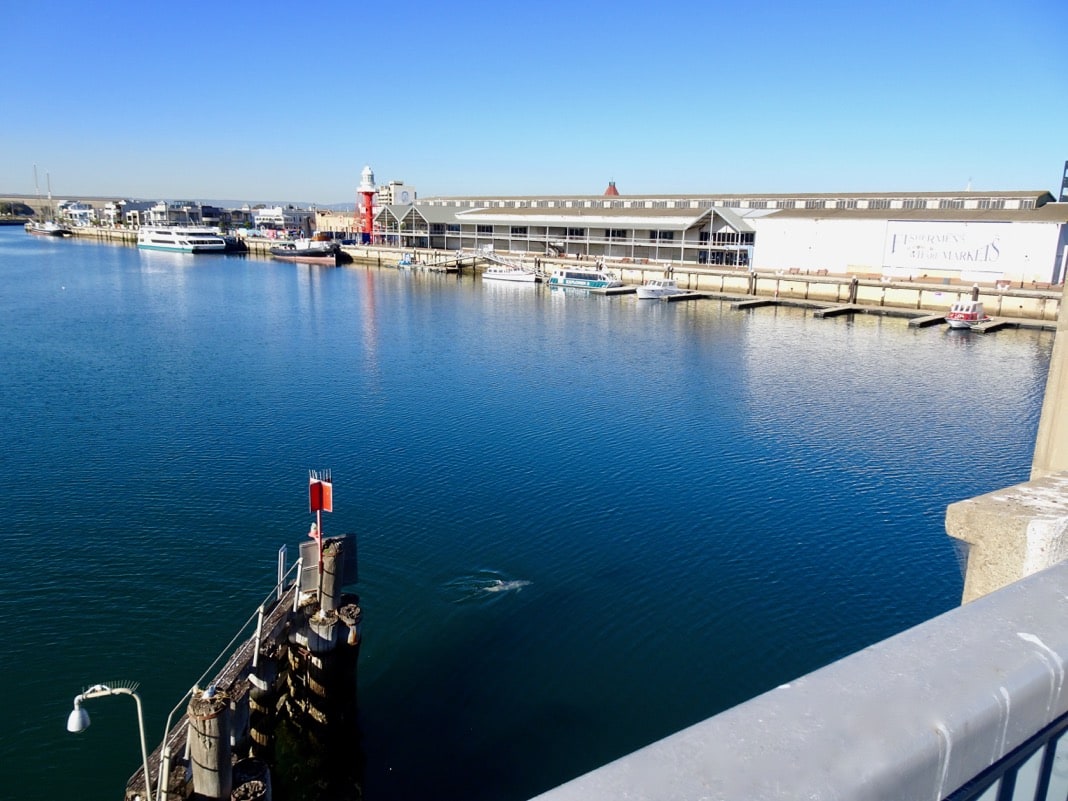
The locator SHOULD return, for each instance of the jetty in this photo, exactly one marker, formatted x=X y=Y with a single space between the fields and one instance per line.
x=295 y=673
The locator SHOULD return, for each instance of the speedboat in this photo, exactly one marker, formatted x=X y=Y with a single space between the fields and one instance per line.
x=405 y=262
x=190 y=239
x=583 y=277
x=966 y=314
x=507 y=272
x=658 y=288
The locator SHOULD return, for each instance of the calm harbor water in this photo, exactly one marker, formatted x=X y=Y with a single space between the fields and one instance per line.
x=584 y=522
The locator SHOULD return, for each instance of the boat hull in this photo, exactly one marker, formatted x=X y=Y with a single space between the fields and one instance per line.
x=966 y=324
x=183 y=249
x=517 y=276
x=329 y=259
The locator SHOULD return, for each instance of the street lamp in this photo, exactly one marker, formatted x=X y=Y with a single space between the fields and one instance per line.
x=78 y=720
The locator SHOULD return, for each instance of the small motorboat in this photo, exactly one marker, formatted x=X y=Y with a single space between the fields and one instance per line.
x=658 y=288
x=505 y=272
x=967 y=314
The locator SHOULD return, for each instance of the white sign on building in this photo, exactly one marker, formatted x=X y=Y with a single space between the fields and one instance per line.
x=980 y=251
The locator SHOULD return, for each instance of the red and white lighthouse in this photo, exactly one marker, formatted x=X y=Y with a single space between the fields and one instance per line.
x=366 y=211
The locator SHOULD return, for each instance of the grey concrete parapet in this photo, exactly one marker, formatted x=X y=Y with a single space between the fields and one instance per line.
x=913 y=717
x=1011 y=533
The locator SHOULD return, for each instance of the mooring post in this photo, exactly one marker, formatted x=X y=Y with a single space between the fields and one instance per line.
x=330 y=579
x=209 y=744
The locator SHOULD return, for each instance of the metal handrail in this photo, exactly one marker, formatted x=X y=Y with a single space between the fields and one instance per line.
x=276 y=591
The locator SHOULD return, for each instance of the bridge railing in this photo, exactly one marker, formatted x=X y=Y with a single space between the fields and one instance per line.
x=945 y=710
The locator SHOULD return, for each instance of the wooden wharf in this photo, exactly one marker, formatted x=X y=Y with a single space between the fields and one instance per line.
x=232 y=679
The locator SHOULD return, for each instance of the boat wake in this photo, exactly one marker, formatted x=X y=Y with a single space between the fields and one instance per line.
x=483 y=586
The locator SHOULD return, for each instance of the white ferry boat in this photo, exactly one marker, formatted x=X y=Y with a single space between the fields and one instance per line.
x=195 y=239
x=584 y=277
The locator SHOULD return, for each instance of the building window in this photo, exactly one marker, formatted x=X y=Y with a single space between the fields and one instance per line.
x=616 y=233
x=815 y=204
x=484 y=229
x=879 y=203
x=576 y=233
x=949 y=203
x=453 y=228
x=661 y=236
x=519 y=230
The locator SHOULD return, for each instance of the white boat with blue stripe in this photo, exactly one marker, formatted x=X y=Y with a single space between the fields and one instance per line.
x=583 y=278
x=190 y=239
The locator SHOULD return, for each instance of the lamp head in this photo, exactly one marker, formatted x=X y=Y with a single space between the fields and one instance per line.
x=78 y=719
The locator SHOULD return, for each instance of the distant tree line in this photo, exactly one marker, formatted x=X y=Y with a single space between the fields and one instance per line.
x=15 y=209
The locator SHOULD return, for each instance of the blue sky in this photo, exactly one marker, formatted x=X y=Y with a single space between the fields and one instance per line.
x=262 y=101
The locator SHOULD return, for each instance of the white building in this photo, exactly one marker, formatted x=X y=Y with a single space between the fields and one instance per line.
x=285 y=218
x=76 y=212
x=966 y=236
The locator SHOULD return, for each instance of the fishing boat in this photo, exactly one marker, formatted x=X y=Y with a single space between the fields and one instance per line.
x=658 y=288
x=967 y=314
x=47 y=228
x=310 y=251
x=187 y=239
x=583 y=277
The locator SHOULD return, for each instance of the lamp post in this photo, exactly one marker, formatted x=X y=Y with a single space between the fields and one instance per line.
x=78 y=720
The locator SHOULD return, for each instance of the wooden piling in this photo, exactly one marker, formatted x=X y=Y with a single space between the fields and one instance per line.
x=209 y=744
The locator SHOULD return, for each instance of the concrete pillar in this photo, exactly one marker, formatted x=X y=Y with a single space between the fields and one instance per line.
x=1011 y=533
x=209 y=744
x=1051 y=442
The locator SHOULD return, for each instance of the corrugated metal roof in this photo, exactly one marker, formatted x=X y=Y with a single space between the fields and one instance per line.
x=1051 y=212
x=1040 y=196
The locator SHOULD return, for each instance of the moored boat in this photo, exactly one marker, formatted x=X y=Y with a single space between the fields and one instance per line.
x=508 y=272
x=47 y=228
x=658 y=288
x=583 y=278
x=187 y=239
x=310 y=251
x=967 y=314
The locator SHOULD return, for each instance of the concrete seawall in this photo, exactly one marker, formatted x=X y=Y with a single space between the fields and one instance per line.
x=1024 y=302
